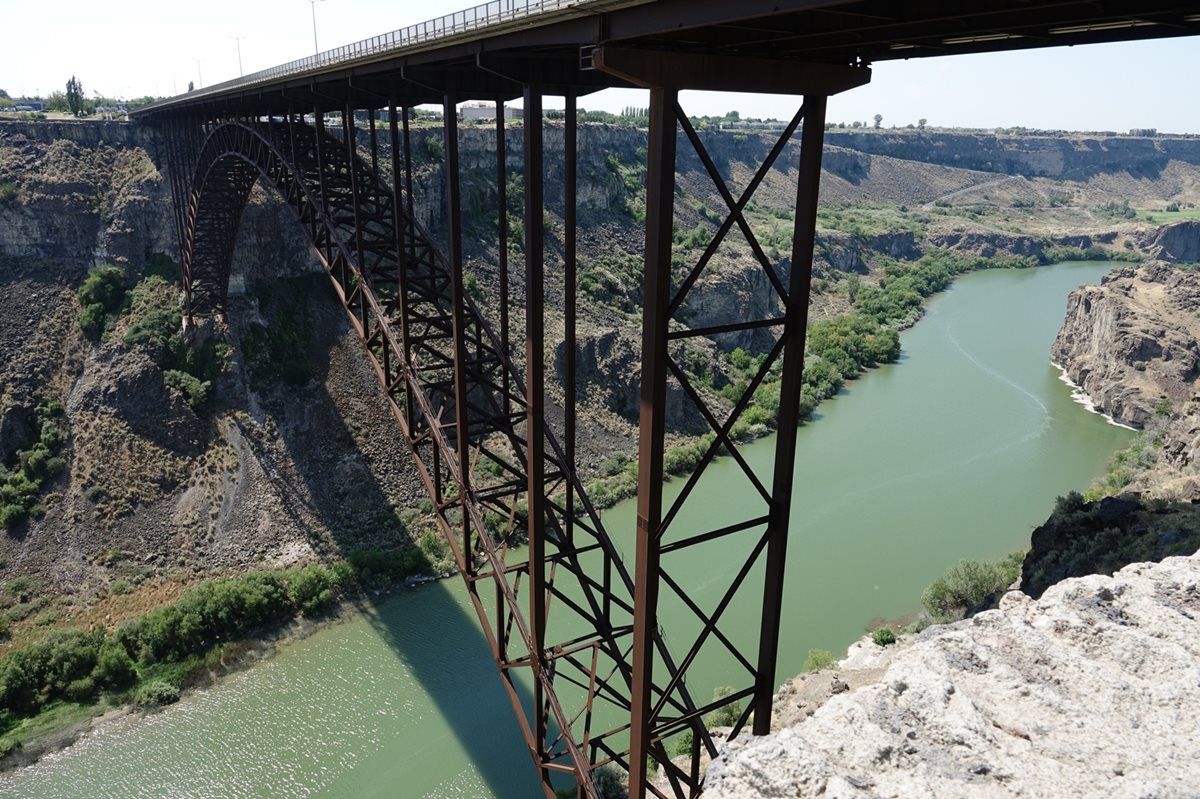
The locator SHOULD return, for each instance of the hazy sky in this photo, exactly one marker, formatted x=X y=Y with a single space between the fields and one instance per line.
x=135 y=47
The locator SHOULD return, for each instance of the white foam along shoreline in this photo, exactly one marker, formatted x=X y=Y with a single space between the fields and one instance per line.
x=1081 y=396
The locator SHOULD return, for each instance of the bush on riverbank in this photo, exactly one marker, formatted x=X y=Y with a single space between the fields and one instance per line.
x=149 y=659
x=967 y=584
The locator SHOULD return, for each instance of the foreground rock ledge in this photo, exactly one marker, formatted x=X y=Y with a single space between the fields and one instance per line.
x=1091 y=691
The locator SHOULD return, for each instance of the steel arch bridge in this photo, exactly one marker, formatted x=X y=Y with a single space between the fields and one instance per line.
x=573 y=628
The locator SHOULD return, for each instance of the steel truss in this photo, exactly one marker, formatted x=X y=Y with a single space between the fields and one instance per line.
x=554 y=597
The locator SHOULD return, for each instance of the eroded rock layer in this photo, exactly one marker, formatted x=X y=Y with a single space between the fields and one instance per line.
x=1089 y=691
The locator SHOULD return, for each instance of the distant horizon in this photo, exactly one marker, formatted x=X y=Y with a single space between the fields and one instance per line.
x=864 y=126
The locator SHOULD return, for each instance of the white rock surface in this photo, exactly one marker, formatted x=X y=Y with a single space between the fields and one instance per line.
x=1091 y=691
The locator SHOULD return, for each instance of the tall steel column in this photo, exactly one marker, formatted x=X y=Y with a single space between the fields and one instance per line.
x=535 y=388
x=455 y=256
x=502 y=242
x=799 y=290
x=656 y=299
x=570 y=205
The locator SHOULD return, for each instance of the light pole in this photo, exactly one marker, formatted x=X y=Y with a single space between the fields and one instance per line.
x=199 y=75
x=238 y=40
x=313 y=4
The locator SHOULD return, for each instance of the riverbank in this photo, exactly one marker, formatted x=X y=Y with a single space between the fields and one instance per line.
x=71 y=681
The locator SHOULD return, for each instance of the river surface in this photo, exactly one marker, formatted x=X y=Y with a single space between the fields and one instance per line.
x=956 y=452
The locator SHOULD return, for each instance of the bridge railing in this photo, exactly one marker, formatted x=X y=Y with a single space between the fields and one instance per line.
x=487 y=15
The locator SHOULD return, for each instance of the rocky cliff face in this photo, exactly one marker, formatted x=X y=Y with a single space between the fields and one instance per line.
x=1178 y=242
x=1073 y=157
x=154 y=492
x=1131 y=342
x=1086 y=692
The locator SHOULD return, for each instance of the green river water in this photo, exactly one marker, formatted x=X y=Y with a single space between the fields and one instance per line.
x=956 y=452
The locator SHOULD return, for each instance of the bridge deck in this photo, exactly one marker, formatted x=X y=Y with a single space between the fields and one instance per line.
x=489 y=49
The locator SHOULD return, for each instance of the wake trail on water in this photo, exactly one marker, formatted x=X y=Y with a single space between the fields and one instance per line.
x=950 y=466
x=997 y=376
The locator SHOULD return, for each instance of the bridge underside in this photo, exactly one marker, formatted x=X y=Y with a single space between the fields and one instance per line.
x=593 y=678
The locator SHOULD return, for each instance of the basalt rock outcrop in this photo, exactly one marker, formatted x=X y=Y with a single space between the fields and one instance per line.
x=1068 y=156
x=1100 y=537
x=1086 y=692
x=1178 y=242
x=1131 y=342
x=987 y=244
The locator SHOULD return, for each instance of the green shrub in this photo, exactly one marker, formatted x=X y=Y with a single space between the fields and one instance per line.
x=883 y=637
x=8 y=193
x=21 y=586
x=818 y=659
x=436 y=551
x=12 y=516
x=375 y=566
x=155 y=318
x=195 y=391
x=114 y=668
x=102 y=295
x=155 y=694
x=312 y=589
x=967 y=584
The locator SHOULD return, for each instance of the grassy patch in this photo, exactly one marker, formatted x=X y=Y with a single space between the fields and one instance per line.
x=1162 y=217
x=54 y=716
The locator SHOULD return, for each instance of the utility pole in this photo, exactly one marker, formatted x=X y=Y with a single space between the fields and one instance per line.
x=238 y=41
x=313 y=4
x=199 y=76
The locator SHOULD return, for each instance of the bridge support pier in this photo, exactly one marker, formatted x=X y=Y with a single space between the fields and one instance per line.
x=660 y=532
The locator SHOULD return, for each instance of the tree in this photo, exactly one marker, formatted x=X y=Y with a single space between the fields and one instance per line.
x=878 y=121
x=75 y=96
x=921 y=123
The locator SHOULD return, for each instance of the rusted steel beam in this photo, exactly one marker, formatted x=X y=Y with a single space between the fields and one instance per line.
x=807 y=190
x=458 y=316
x=660 y=199
x=570 y=202
x=502 y=240
x=535 y=398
